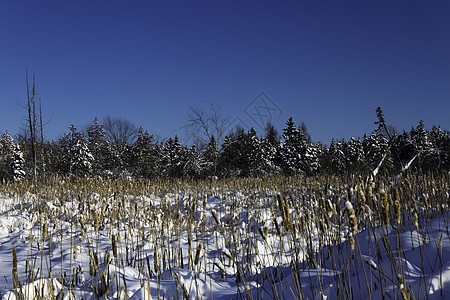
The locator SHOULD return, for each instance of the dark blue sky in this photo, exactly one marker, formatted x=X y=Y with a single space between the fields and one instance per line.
x=326 y=63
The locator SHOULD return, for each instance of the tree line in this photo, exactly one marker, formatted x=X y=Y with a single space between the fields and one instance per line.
x=128 y=151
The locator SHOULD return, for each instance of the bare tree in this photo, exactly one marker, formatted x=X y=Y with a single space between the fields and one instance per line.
x=41 y=127
x=201 y=126
x=304 y=129
x=33 y=130
x=31 y=107
x=119 y=132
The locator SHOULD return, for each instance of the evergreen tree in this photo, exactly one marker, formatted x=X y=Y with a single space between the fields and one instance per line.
x=7 y=142
x=375 y=147
x=193 y=163
x=81 y=159
x=17 y=164
x=422 y=143
x=268 y=153
x=144 y=155
x=229 y=157
x=322 y=157
x=405 y=148
x=311 y=159
x=170 y=161
x=54 y=155
x=354 y=155
x=251 y=145
x=239 y=153
x=209 y=158
x=104 y=159
x=421 y=139
x=66 y=143
x=7 y=147
x=440 y=141
x=294 y=150
x=337 y=157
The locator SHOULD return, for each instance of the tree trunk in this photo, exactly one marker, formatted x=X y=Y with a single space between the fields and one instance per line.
x=32 y=123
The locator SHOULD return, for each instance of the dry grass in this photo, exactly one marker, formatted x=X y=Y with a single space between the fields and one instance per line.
x=262 y=230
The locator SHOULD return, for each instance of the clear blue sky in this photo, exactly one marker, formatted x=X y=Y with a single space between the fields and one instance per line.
x=326 y=63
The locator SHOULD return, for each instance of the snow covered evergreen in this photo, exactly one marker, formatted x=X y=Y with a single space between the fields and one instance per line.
x=209 y=158
x=143 y=156
x=105 y=160
x=268 y=152
x=7 y=147
x=81 y=158
x=337 y=157
x=17 y=164
x=242 y=154
x=354 y=155
x=294 y=150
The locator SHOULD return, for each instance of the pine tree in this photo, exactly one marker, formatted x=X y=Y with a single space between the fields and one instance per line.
x=240 y=154
x=440 y=141
x=170 y=162
x=311 y=159
x=294 y=150
x=7 y=147
x=252 y=145
x=234 y=156
x=17 y=164
x=104 y=158
x=322 y=157
x=7 y=142
x=404 y=146
x=66 y=143
x=269 y=150
x=209 y=158
x=375 y=147
x=193 y=165
x=143 y=162
x=429 y=146
x=354 y=155
x=228 y=158
x=421 y=139
x=337 y=157
x=81 y=159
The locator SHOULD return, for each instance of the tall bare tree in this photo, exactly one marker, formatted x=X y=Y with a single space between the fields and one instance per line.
x=31 y=107
x=201 y=126
x=119 y=132
x=41 y=127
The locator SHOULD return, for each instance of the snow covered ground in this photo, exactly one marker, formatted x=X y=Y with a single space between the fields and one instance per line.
x=223 y=245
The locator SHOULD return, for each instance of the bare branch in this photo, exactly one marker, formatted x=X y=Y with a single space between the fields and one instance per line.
x=120 y=132
x=201 y=126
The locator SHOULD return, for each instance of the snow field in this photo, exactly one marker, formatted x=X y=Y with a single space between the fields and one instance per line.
x=285 y=238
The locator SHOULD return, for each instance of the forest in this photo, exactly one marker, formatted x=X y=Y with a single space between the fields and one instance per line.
x=134 y=152
x=100 y=214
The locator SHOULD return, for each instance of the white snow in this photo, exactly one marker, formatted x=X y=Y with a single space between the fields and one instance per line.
x=260 y=266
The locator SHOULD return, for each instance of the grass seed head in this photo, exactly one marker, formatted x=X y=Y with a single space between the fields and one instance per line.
x=416 y=221
x=351 y=242
x=384 y=207
x=425 y=200
x=114 y=245
x=213 y=212
x=277 y=227
x=197 y=254
x=44 y=232
x=155 y=260
x=14 y=270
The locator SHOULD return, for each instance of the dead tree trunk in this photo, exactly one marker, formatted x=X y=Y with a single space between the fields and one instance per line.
x=42 y=138
x=32 y=122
